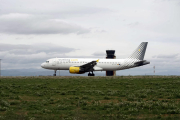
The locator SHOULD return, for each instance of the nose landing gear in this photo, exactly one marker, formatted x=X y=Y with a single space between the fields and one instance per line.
x=91 y=74
x=54 y=73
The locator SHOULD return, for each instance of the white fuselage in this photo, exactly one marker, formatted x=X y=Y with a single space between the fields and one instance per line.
x=102 y=64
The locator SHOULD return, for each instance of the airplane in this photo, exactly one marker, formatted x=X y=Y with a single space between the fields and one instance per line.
x=80 y=66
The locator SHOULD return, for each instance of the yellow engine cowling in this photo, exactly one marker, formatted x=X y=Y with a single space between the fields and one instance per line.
x=76 y=70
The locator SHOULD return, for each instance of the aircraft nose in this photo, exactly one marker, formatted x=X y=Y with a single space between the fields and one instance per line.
x=43 y=65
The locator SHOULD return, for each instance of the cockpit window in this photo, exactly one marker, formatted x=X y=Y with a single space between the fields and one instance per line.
x=47 y=61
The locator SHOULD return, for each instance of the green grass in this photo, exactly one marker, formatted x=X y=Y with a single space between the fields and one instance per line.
x=86 y=98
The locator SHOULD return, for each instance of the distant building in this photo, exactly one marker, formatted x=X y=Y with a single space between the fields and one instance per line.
x=110 y=55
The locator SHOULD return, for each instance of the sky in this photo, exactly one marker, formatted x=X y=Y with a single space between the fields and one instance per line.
x=33 y=31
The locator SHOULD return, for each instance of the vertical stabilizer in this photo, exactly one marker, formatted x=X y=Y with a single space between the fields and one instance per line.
x=139 y=52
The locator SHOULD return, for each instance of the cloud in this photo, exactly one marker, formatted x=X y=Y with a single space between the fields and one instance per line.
x=165 y=63
x=84 y=11
x=133 y=24
x=23 y=49
x=168 y=56
x=52 y=7
x=99 y=54
x=30 y=56
x=16 y=23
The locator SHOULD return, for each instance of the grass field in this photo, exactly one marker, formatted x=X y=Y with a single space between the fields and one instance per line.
x=77 y=98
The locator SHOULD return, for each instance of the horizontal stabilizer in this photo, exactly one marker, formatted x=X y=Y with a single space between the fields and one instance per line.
x=143 y=62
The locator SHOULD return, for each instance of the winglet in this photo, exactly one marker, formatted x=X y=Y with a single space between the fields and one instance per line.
x=97 y=60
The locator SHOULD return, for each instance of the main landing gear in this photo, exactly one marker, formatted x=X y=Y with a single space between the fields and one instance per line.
x=91 y=74
x=54 y=73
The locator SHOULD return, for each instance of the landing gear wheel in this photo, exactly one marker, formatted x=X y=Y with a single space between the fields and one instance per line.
x=91 y=74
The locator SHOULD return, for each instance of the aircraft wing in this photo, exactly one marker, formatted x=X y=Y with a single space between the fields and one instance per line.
x=89 y=66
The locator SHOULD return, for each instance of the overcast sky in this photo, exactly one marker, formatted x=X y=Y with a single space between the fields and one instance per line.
x=32 y=31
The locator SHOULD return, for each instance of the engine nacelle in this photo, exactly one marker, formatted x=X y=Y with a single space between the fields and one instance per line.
x=76 y=70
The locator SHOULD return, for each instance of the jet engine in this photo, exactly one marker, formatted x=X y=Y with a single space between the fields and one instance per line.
x=76 y=70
